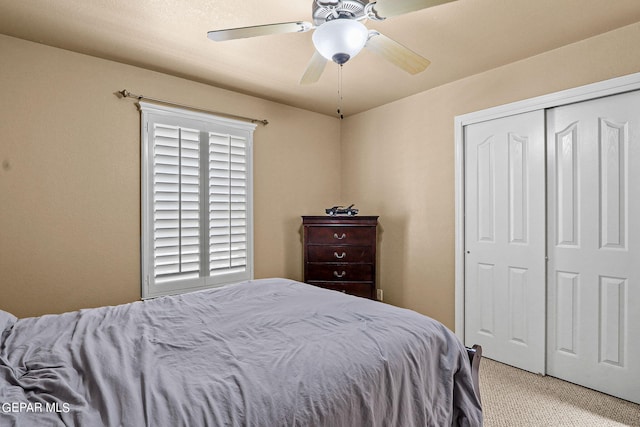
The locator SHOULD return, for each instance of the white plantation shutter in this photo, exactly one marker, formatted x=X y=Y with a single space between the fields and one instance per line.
x=176 y=203
x=227 y=204
x=196 y=201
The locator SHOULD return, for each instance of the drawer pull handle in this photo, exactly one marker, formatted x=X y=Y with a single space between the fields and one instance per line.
x=335 y=235
x=344 y=254
x=339 y=275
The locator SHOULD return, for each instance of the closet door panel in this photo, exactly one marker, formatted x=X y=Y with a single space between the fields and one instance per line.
x=505 y=239
x=566 y=172
x=594 y=246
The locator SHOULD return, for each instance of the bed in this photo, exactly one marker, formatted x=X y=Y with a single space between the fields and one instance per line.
x=269 y=352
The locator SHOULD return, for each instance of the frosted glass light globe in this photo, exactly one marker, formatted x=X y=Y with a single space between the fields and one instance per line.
x=340 y=39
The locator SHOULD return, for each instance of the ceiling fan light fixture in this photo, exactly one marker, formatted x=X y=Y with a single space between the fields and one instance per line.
x=340 y=39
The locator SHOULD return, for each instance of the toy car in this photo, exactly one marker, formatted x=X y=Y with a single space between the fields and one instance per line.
x=341 y=210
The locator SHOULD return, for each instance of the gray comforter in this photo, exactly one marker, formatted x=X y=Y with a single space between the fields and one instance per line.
x=270 y=352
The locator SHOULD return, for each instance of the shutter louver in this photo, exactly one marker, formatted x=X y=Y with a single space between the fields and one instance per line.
x=176 y=203
x=228 y=232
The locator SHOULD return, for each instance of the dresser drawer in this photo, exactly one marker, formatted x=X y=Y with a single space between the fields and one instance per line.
x=341 y=235
x=330 y=253
x=339 y=272
x=365 y=290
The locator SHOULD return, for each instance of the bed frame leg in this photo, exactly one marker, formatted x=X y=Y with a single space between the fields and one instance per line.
x=475 y=354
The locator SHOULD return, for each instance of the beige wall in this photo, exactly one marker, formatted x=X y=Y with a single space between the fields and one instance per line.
x=69 y=179
x=398 y=161
x=70 y=176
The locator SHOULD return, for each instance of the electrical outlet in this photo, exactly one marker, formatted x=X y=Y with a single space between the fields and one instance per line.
x=380 y=294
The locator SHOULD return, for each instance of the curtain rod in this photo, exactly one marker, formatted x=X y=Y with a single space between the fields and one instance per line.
x=126 y=94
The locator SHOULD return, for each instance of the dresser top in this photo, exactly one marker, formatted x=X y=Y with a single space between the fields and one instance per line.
x=339 y=220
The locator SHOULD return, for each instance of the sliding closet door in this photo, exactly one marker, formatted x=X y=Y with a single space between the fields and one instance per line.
x=505 y=239
x=594 y=244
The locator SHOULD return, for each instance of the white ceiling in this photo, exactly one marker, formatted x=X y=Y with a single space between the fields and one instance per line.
x=461 y=38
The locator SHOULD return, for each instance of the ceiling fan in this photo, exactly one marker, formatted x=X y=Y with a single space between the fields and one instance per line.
x=340 y=34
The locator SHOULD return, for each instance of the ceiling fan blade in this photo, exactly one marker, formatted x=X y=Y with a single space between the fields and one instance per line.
x=389 y=8
x=396 y=53
x=259 y=30
x=314 y=69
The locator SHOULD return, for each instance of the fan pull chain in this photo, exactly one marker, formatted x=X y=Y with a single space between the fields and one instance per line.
x=340 y=93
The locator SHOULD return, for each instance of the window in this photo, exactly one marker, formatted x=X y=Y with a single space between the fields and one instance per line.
x=196 y=200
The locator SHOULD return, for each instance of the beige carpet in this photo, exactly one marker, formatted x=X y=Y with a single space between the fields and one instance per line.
x=512 y=397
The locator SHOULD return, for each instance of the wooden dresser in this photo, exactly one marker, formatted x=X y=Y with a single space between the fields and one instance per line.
x=340 y=253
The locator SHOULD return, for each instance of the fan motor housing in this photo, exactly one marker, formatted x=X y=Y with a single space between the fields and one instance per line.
x=323 y=11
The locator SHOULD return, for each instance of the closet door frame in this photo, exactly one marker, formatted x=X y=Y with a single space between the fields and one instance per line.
x=582 y=93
